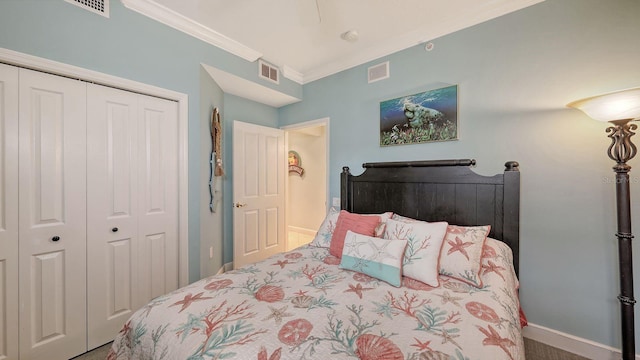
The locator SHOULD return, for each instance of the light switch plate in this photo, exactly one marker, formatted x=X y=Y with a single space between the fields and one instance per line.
x=335 y=202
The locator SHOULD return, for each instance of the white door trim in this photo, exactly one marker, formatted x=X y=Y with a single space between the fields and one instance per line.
x=57 y=68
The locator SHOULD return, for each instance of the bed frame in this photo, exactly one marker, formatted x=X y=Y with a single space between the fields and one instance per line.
x=439 y=190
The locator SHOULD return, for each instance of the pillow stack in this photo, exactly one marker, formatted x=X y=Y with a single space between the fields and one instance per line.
x=388 y=246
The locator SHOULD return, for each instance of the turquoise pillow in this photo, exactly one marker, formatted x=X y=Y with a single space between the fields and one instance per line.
x=379 y=258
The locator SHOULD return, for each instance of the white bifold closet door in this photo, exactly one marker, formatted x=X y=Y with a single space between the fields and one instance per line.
x=8 y=212
x=132 y=189
x=88 y=211
x=52 y=220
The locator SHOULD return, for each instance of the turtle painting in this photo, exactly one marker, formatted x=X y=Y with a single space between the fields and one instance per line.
x=425 y=117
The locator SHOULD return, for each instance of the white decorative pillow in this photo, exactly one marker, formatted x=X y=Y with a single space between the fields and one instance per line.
x=424 y=241
x=405 y=219
x=379 y=258
x=379 y=232
x=461 y=253
x=325 y=232
x=384 y=216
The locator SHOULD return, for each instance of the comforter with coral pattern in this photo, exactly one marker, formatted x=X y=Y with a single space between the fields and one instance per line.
x=301 y=305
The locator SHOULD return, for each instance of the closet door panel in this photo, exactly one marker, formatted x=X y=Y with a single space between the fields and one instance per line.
x=52 y=216
x=158 y=197
x=8 y=212
x=112 y=207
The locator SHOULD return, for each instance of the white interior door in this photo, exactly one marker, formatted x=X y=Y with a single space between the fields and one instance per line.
x=112 y=211
x=8 y=212
x=158 y=253
x=259 y=170
x=52 y=175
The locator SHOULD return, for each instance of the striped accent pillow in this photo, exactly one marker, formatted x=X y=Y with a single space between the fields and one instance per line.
x=376 y=257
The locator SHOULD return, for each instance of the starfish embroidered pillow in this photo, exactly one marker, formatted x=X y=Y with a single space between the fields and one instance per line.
x=361 y=224
x=424 y=241
x=376 y=257
x=461 y=253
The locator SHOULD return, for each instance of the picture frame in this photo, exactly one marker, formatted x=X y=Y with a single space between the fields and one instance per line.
x=429 y=116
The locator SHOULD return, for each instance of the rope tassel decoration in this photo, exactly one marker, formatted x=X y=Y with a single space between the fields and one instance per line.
x=215 y=161
x=216 y=137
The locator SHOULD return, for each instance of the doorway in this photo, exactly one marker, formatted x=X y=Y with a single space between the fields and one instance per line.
x=307 y=184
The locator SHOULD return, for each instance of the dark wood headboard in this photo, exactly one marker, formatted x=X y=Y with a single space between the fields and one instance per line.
x=439 y=190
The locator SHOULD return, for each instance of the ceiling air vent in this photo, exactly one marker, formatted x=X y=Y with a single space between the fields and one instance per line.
x=378 y=72
x=268 y=72
x=100 y=7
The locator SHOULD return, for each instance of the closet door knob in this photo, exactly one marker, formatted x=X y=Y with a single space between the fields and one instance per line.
x=115 y=229
x=55 y=238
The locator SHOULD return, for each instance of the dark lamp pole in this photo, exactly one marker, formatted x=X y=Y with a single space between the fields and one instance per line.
x=622 y=150
x=620 y=108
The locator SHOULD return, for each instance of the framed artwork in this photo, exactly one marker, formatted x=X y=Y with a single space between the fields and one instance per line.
x=420 y=118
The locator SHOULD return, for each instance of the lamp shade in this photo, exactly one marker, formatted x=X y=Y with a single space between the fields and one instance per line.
x=618 y=105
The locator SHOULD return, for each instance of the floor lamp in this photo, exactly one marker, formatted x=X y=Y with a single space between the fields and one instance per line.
x=620 y=108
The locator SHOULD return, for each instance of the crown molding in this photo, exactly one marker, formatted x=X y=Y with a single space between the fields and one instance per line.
x=292 y=74
x=178 y=21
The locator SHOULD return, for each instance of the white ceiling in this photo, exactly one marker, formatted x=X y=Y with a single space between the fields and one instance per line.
x=302 y=37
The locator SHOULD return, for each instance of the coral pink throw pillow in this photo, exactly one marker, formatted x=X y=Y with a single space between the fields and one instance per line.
x=360 y=224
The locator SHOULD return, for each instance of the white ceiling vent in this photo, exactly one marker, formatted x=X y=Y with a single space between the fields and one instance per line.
x=268 y=72
x=378 y=72
x=100 y=7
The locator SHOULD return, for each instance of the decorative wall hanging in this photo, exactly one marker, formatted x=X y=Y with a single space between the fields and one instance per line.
x=215 y=160
x=425 y=117
x=295 y=163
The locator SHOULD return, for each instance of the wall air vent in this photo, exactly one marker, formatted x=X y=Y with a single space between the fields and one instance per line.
x=378 y=72
x=268 y=72
x=100 y=7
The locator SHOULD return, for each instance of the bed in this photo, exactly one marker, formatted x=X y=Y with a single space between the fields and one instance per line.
x=323 y=302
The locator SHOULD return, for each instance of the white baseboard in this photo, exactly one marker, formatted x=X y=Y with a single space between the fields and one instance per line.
x=302 y=230
x=298 y=236
x=583 y=347
x=226 y=267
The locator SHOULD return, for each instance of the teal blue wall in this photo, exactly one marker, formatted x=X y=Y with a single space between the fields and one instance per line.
x=515 y=76
x=132 y=46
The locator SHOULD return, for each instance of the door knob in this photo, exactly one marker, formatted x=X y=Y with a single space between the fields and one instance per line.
x=239 y=205
x=115 y=229
x=55 y=238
